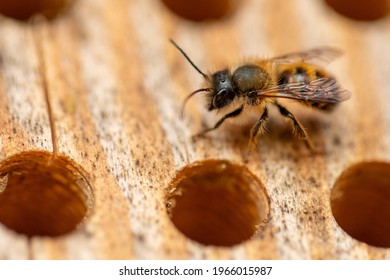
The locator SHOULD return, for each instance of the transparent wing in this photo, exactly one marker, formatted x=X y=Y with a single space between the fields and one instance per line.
x=317 y=55
x=325 y=90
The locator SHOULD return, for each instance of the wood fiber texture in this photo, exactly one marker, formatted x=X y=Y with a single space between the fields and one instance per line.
x=116 y=87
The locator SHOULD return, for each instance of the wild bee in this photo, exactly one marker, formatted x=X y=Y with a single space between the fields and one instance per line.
x=261 y=82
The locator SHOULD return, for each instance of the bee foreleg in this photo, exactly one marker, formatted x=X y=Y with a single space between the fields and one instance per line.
x=299 y=130
x=232 y=114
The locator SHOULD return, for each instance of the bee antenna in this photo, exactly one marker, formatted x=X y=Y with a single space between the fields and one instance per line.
x=189 y=96
x=188 y=59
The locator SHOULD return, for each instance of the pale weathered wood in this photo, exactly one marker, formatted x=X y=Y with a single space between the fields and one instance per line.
x=116 y=86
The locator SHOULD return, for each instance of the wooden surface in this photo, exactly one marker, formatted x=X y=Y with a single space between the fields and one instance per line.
x=116 y=87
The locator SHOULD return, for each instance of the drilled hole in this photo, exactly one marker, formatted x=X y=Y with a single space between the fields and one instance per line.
x=361 y=9
x=217 y=203
x=25 y=9
x=40 y=196
x=201 y=10
x=360 y=202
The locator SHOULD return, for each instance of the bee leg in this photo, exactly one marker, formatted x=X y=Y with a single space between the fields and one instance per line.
x=232 y=114
x=257 y=129
x=299 y=130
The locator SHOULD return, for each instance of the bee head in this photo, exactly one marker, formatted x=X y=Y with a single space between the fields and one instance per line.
x=223 y=92
x=221 y=89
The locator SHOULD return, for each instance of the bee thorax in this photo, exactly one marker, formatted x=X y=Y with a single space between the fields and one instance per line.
x=250 y=78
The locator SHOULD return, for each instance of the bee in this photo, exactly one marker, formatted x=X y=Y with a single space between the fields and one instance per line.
x=260 y=83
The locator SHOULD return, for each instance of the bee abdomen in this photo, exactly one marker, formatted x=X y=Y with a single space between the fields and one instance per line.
x=304 y=73
x=298 y=74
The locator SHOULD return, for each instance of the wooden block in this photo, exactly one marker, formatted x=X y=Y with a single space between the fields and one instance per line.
x=116 y=87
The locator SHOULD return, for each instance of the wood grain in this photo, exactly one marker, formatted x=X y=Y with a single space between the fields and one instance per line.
x=116 y=85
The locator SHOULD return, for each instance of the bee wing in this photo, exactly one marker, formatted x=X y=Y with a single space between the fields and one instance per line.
x=325 y=90
x=317 y=55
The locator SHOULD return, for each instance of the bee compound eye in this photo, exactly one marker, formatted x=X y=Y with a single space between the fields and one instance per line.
x=218 y=98
x=222 y=92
